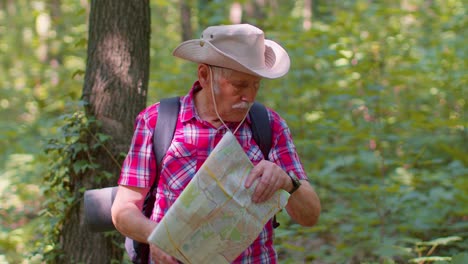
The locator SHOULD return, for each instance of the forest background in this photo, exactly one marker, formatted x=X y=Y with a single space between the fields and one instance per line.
x=375 y=99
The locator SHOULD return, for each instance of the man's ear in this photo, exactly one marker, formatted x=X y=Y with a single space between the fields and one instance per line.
x=204 y=75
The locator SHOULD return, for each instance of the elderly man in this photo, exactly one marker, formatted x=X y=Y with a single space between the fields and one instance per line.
x=232 y=60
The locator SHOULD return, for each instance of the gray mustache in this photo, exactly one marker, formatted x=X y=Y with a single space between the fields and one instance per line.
x=242 y=105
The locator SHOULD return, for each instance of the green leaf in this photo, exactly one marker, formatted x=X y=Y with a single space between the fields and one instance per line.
x=103 y=137
x=440 y=241
x=78 y=73
x=430 y=259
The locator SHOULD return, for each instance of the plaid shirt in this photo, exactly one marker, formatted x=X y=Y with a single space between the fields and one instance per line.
x=193 y=141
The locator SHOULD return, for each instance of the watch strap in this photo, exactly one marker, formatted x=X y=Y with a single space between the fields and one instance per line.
x=295 y=181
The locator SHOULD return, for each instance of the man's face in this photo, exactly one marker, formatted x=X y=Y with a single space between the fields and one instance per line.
x=234 y=93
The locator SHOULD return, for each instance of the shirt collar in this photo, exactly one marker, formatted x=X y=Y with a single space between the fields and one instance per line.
x=188 y=111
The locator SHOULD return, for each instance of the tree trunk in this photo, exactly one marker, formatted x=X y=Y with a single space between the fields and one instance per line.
x=185 y=18
x=114 y=91
x=55 y=7
x=255 y=12
x=307 y=14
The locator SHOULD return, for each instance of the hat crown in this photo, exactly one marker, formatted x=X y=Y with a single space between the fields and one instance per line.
x=244 y=42
x=240 y=47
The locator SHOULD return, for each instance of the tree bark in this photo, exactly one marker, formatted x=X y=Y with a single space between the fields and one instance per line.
x=114 y=91
x=256 y=10
x=55 y=7
x=307 y=14
x=185 y=18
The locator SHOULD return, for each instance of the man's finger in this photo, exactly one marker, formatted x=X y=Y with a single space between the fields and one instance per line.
x=255 y=173
x=264 y=186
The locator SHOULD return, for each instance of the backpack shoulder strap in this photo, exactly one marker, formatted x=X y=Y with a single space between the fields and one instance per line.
x=165 y=127
x=162 y=137
x=262 y=134
x=261 y=128
x=163 y=133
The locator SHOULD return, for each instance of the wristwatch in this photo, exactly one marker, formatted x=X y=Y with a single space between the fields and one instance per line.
x=295 y=181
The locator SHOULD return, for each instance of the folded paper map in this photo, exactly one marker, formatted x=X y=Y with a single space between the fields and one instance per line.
x=214 y=219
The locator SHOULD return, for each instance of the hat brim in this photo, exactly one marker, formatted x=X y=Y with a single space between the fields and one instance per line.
x=276 y=63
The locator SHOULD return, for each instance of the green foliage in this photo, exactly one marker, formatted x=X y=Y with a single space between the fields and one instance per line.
x=38 y=58
x=71 y=157
x=375 y=98
x=380 y=125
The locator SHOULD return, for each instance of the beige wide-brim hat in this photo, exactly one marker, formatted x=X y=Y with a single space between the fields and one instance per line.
x=241 y=47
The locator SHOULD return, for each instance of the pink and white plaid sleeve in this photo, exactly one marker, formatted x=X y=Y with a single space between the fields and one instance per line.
x=139 y=167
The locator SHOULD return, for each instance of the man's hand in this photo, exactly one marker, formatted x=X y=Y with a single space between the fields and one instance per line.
x=270 y=178
x=161 y=257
